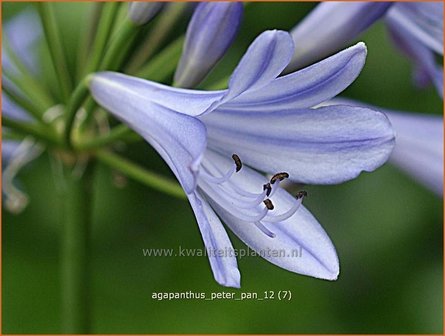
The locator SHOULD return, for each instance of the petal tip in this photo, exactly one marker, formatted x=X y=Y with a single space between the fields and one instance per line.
x=233 y=281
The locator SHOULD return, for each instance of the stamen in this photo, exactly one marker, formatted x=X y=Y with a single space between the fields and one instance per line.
x=212 y=169
x=254 y=214
x=265 y=230
x=275 y=187
x=238 y=162
x=301 y=194
x=268 y=203
x=279 y=218
x=218 y=180
x=279 y=177
x=268 y=188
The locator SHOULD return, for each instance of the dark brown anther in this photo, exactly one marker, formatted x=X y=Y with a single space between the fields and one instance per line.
x=268 y=188
x=269 y=204
x=279 y=176
x=301 y=194
x=238 y=162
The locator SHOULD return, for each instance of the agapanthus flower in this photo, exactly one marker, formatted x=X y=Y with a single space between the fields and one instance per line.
x=215 y=142
x=416 y=28
x=210 y=32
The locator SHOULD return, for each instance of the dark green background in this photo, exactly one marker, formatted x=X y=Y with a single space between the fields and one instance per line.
x=387 y=230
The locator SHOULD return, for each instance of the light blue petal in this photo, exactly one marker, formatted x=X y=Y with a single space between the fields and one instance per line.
x=265 y=59
x=179 y=138
x=318 y=258
x=217 y=242
x=424 y=59
x=211 y=31
x=317 y=146
x=307 y=87
x=330 y=27
x=190 y=102
x=423 y=21
x=262 y=63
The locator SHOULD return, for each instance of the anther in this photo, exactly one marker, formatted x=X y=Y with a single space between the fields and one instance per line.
x=269 y=204
x=238 y=162
x=301 y=194
x=268 y=188
x=279 y=177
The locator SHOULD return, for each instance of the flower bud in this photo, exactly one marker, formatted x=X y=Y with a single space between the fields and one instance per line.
x=212 y=29
x=142 y=12
x=331 y=26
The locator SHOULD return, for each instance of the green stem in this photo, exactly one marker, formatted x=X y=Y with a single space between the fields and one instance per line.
x=24 y=103
x=104 y=29
x=116 y=134
x=140 y=174
x=76 y=193
x=125 y=33
x=220 y=84
x=87 y=38
x=7 y=135
x=164 y=25
x=77 y=99
x=89 y=105
x=111 y=61
x=36 y=130
x=164 y=63
x=30 y=86
x=55 y=47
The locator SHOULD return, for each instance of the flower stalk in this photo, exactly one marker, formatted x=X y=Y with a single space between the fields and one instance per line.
x=103 y=33
x=164 y=25
x=57 y=52
x=25 y=81
x=140 y=174
x=76 y=193
x=125 y=34
x=118 y=133
x=77 y=99
x=36 y=130
x=164 y=63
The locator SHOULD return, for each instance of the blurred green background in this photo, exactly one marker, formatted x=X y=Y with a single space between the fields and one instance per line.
x=387 y=230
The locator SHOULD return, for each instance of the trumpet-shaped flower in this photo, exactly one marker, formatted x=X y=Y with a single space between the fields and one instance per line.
x=211 y=31
x=216 y=141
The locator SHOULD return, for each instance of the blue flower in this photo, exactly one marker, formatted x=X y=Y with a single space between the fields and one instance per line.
x=270 y=125
x=211 y=31
x=416 y=28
